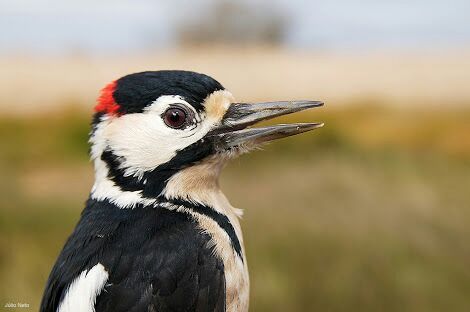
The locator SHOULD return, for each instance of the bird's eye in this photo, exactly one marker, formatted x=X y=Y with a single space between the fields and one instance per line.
x=174 y=117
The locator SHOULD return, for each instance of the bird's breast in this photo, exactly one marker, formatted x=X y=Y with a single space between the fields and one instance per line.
x=236 y=271
x=221 y=222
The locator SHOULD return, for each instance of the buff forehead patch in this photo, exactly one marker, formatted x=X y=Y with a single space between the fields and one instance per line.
x=217 y=103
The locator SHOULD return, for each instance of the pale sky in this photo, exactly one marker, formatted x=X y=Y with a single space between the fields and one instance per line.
x=127 y=26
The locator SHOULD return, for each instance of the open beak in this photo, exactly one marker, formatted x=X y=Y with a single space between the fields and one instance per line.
x=234 y=130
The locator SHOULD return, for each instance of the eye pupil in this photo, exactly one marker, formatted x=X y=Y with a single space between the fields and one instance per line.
x=174 y=117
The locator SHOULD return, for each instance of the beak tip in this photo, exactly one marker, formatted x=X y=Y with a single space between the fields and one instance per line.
x=310 y=126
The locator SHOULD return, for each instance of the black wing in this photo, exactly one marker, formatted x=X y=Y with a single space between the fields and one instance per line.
x=157 y=260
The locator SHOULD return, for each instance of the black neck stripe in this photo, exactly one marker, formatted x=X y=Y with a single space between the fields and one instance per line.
x=221 y=219
x=156 y=179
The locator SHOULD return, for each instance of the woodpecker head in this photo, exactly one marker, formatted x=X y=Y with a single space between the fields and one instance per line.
x=167 y=134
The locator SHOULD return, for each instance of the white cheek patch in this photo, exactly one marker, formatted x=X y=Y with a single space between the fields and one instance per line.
x=144 y=141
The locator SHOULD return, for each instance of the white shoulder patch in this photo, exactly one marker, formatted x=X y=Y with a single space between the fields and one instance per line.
x=82 y=292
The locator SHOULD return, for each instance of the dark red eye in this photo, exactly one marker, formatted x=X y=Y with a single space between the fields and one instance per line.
x=174 y=117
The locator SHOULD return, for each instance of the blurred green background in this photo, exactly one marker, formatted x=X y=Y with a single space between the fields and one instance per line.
x=369 y=213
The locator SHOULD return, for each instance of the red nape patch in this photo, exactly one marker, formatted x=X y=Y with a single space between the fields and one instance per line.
x=106 y=103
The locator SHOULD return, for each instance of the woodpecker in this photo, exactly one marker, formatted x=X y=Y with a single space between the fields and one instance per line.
x=157 y=233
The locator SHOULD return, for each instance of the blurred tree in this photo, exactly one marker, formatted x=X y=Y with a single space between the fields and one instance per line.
x=227 y=22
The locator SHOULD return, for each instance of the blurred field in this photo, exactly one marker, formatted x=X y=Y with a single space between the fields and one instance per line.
x=31 y=84
x=369 y=213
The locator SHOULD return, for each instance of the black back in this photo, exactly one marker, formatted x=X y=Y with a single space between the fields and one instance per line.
x=157 y=260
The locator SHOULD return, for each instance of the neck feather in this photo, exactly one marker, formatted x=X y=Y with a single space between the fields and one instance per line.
x=197 y=183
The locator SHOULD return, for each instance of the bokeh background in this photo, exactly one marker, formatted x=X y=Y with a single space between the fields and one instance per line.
x=369 y=213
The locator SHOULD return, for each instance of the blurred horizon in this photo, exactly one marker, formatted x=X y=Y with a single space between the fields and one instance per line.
x=399 y=53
